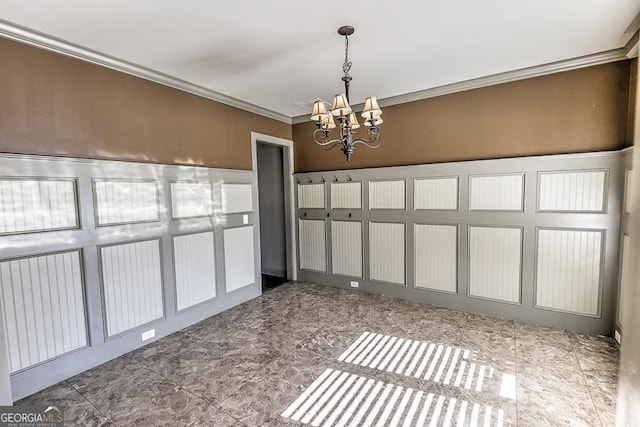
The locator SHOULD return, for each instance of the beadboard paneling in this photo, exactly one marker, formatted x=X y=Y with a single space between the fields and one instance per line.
x=568 y=270
x=436 y=257
x=191 y=199
x=346 y=195
x=387 y=252
x=310 y=196
x=236 y=198
x=122 y=202
x=132 y=285
x=496 y=192
x=28 y=205
x=239 y=260
x=43 y=307
x=346 y=248
x=195 y=269
x=436 y=193
x=581 y=191
x=386 y=194
x=312 y=245
x=495 y=263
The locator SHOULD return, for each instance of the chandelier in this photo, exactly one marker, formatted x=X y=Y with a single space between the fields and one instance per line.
x=347 y=121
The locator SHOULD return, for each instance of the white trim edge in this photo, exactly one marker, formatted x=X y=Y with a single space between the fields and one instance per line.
x=289 y=188
x=21 y=34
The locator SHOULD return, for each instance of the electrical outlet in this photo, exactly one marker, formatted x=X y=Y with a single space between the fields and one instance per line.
x=148 y=334
x=354 y=284
x=616 y=335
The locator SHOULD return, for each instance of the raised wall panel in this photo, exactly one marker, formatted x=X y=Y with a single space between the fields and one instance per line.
x=496 y=192
x=346 y=195
x=495 y=263
x=346 y=248
x=311 y=242
x=195 y=269
x=387 y=252
x=239 y=261
x=386 y=194
x=121 y=202
x=436 y=257
x=582 y=191
x=310 y=196
x=43 y=307
x=132 y=285
x=436 y=193
x=628 y=182
x=626 y=282
x=191 y=199
x=37 y=205
x=236 y=198
x=568 y=271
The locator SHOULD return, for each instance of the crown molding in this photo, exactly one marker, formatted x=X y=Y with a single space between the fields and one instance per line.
x=506 y=77
x=25 y=35
x=632 y=45
x=31 y=37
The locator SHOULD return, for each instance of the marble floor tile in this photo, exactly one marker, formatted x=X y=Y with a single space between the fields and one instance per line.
x=490 y=325
x=77 y=410
x=247 y=365
x=603 y=387
x=595 y=352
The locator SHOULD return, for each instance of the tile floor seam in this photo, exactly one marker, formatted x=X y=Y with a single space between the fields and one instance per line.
x=90 y=403
x=584 y=379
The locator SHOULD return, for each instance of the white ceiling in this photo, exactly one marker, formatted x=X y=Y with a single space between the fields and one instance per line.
x=282 y=54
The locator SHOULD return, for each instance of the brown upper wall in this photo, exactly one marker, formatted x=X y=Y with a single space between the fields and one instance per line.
x=55 y=105
x=569 y=112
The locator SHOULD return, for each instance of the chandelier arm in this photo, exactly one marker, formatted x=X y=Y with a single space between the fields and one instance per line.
x=330 y=145
x=325 y=142
x=375 y=143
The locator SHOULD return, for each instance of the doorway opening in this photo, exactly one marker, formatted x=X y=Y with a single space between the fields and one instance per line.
x=273 y=164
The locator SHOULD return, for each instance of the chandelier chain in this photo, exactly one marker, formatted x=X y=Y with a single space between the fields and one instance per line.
x=347 y=64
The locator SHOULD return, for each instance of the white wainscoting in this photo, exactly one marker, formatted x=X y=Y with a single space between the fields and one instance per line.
x=122 y=202
x=132 y=285
x=310 y=196
x=191 y=199
x=195 y=270
x=387 y=194
x=568 y=270
x=625 y=279
x=43 y=307
x=346 y=195
x=239 y=260
x=37 y=205
x=496 y=192
x=312 y=245
x=495 y=259
x=387 y=252
x=628 y=190
x=436 y=257
x=436 y=193
x=582 y=191
x=346 y=248
x=236 y=198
